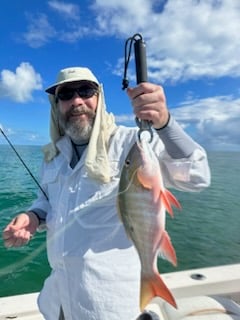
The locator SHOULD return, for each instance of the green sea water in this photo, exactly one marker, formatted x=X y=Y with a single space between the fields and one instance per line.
x=205 y=233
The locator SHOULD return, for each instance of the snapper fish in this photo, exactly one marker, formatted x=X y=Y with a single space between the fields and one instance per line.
x=142 y=203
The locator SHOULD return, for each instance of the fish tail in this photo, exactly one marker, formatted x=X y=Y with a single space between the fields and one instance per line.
x=155 y=287
x=168 y=200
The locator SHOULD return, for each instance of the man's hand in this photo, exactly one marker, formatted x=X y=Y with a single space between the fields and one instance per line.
x=20 y=230
x=149 y=103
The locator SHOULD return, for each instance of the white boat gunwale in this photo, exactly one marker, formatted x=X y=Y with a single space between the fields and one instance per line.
x=223 y=281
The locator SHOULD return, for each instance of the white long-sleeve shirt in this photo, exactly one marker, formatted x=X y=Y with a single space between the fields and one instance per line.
x=95 y=268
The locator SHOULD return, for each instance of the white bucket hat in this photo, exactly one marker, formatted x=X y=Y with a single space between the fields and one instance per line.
x=71 y=75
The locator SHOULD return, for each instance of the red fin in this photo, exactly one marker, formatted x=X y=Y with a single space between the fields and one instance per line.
x=173 y=200
x=167 y=249
x=169 y=199
x=155 y=287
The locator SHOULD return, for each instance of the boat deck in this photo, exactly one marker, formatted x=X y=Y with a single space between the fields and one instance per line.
x=20 y=307
x=221 y=281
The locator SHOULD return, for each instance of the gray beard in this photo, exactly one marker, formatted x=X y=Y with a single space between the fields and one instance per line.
x=78 y=131
x=79 y=134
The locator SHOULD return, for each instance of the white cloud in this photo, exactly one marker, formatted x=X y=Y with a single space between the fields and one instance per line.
x=67 y=10
x=213 y=122
x=39 y=31
x=21 y=136
x=42 y=29
x=126 y=119
x=118 y=17
x=18 y=86
x=186 y=40
x=6 y=132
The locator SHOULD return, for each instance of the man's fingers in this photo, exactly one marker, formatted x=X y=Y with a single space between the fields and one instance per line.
x=6 y=234
x=18 y=222
x=16 y=239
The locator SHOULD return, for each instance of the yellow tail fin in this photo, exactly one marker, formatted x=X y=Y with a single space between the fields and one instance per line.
x=154 y=287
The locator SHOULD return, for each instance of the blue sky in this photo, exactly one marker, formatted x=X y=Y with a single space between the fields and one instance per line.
x=193 y=51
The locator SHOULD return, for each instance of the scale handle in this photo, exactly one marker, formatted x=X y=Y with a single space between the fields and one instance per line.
x=140 y=61
x=141 y=76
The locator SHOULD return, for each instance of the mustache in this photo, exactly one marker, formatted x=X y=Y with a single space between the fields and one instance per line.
x=83 y=109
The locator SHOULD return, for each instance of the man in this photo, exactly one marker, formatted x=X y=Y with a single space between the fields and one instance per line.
x=95 y=268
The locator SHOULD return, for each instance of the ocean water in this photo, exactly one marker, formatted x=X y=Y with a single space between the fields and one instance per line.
x=205 y=233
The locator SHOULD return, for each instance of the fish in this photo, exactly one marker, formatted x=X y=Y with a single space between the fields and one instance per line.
x=142 y=204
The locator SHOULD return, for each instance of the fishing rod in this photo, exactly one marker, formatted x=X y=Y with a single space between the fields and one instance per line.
x=141 y=73
x=24 y=164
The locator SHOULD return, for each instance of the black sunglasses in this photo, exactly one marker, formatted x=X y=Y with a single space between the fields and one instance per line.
x=84 y=92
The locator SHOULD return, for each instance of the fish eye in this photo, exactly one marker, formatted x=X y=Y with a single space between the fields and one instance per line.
x=127 y=162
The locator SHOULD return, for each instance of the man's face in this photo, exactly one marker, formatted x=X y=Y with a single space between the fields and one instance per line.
x=77 y=104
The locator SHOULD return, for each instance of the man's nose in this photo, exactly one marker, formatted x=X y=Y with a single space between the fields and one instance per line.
x=77 y=98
